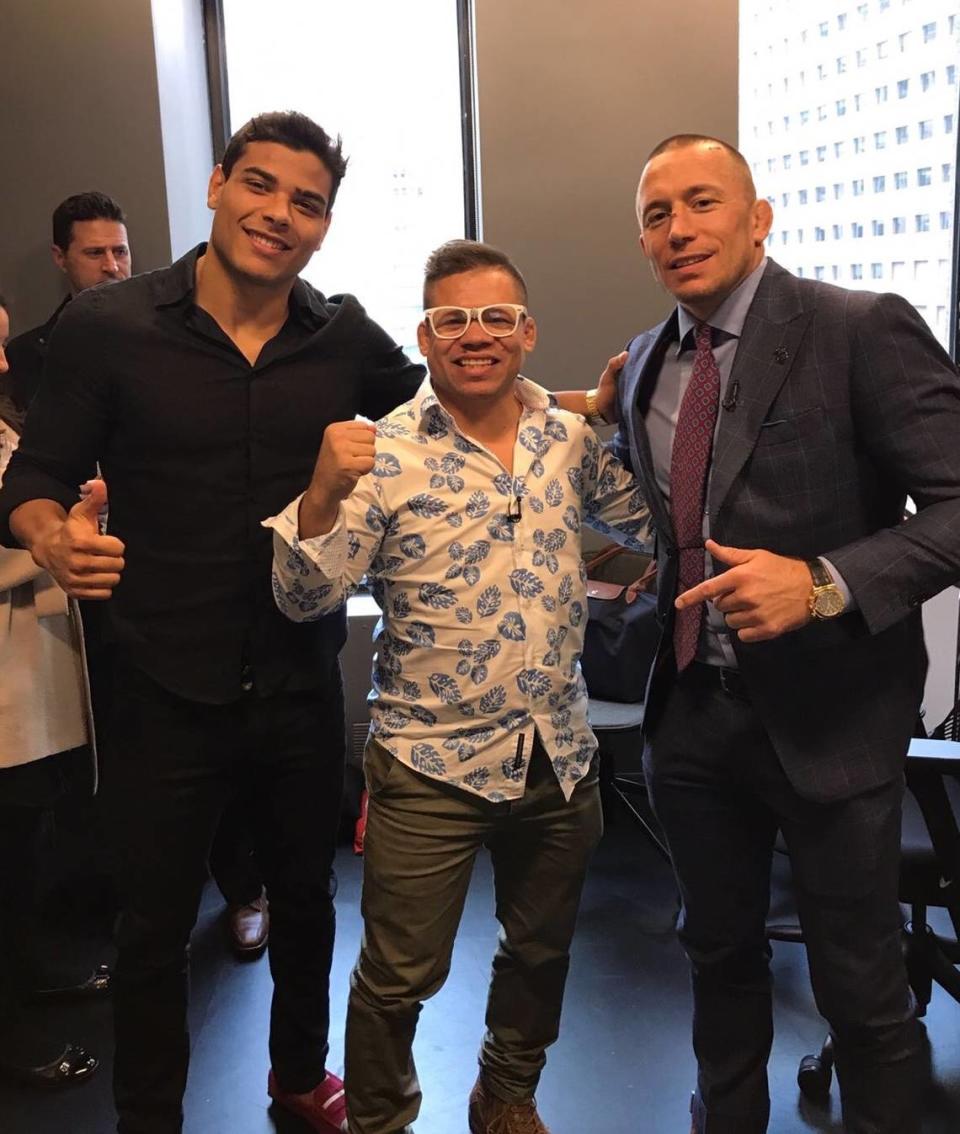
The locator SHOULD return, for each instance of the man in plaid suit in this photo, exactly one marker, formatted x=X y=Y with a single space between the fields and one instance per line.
x=792 y=664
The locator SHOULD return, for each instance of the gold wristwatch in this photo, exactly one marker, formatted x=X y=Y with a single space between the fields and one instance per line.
x=594 y=416
x=826 y=598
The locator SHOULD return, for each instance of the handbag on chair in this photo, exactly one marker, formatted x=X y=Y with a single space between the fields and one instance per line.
x=622 y=633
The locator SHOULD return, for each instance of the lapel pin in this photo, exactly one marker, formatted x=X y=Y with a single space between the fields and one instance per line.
x=781 y=354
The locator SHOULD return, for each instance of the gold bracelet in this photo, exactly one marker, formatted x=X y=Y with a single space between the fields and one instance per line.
x=594 y=416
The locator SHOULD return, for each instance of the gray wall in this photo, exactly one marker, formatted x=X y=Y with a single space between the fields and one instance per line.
x=79 y=110
x=572 y=96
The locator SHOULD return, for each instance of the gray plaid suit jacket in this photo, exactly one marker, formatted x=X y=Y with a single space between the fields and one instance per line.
x=846 y=404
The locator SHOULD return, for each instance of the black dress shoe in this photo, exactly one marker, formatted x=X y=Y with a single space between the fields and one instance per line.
x=73 y=1065
x=95 y=986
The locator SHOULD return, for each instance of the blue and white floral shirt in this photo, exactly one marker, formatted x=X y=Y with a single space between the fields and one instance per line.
x=481 y=582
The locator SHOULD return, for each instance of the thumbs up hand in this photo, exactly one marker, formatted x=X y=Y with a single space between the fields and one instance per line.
x=86 y=564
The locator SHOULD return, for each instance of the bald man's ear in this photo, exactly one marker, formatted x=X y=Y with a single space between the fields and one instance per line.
x=762 y=220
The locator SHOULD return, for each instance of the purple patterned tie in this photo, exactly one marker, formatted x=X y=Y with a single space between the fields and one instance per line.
x=689 y=463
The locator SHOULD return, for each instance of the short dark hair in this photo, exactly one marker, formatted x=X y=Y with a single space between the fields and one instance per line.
x=295 y=131
x=680 y=141
x=458 y=256
x=92 y=205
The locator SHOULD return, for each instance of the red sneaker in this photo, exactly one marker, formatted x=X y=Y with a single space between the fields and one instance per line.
x=324 y=1108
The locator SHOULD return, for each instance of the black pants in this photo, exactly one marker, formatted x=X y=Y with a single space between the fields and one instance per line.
x=169 y=768
x=721 y=795
x=233 y=862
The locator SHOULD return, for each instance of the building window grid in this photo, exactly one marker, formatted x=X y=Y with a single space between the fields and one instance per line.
x=842 y=105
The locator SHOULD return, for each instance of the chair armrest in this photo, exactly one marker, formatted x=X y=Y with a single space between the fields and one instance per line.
x=941 y=756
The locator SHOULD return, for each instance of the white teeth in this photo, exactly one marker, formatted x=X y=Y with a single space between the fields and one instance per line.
x=257 y=238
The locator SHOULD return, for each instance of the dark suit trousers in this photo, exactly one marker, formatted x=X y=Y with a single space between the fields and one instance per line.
x=721 y=795
x=170 y=766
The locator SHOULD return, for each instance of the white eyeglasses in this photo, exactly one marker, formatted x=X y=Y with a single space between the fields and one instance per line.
x=497 y=319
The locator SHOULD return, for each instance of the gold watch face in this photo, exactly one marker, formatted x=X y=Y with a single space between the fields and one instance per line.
x=827 y=602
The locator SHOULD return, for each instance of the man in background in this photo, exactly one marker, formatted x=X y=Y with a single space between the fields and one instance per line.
x=90 y=246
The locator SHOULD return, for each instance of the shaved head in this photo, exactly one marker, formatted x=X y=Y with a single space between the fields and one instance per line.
x=704 y=142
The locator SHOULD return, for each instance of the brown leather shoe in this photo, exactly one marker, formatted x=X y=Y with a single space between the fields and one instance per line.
x=248 y=928
x=491 y=1115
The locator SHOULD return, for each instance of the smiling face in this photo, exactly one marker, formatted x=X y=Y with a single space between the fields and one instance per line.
x=270 y=215
x=477 y=368
x=701 y=225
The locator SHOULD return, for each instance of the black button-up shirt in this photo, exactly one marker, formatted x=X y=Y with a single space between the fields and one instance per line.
x=197 y=447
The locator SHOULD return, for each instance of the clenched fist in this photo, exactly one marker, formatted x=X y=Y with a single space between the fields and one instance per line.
x=348 y=452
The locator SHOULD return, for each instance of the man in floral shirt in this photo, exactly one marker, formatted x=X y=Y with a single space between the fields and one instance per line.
x=464 y=508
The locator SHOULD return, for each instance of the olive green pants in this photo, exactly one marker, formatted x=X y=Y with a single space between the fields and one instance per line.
x=421 y=841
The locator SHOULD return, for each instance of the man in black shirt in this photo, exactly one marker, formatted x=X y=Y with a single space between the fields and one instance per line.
x=204 y=390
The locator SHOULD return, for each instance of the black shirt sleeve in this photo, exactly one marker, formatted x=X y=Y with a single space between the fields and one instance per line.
x=389 y=377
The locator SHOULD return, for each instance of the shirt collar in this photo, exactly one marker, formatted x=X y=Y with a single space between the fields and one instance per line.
x=425 y=401
x=730 y=316
x=178 y=284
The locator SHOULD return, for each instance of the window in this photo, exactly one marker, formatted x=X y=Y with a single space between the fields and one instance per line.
x=842 y=21
x=929 y=32
x=784 y=236
x=920 y=168
x=834 y=272
x=944 y=221
x=818 y=272
x=785 y=199
x=856 y=271
x=786 y=122
x=824 y=29
x=923 y=222
x=787 y=159
x=400 y=195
